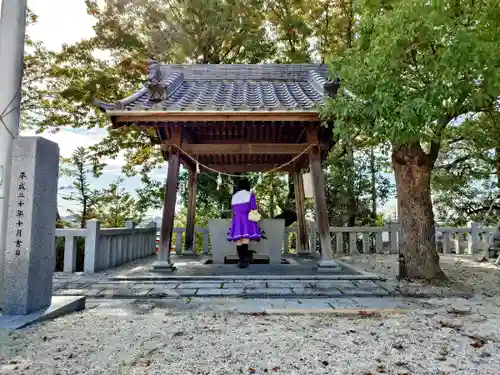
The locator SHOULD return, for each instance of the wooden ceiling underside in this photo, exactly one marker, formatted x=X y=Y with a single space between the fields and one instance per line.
x=267 y=133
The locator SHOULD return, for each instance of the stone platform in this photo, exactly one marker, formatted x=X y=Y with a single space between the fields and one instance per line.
x=198 y=268
x=224 y=287
x=194 y=278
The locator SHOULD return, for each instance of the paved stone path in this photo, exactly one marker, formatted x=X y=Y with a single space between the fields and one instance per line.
x=355 y=305
x=102 y=287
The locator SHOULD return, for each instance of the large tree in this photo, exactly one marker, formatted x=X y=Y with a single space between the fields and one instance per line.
x=116 y=206
x=83 y=197
x=414 y=69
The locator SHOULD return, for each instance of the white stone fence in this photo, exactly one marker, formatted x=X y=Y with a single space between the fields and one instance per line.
x=108 y=247
x=357 y=240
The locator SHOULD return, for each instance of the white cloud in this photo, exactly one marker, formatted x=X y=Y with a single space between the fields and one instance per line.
x=61 y=21
x=69 y=139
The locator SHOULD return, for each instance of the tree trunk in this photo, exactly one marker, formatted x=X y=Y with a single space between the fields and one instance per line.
x=497 y=165
x=352 y=206
x=417 y=239
x=374 y=186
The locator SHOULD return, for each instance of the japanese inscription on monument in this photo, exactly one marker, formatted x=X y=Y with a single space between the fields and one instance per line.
x=21 y=202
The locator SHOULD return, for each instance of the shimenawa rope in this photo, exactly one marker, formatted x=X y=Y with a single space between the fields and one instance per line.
x=241 y=175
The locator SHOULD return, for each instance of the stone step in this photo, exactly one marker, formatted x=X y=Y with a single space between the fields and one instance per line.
x=171 y=277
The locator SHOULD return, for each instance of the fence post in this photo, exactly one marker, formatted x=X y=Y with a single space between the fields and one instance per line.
x=133 y=246
x=286 y=244
x=91 y=246
x=393 y=238
x=178 y=240
x=312 y=237
x=473 y=238
x=69 y=254
x=152 y=245
x=206 y=241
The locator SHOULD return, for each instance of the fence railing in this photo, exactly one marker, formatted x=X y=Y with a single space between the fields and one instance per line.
x=107 y=248
x=359 y=240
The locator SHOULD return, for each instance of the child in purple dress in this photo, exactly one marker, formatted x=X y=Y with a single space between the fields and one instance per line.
x=242 y=229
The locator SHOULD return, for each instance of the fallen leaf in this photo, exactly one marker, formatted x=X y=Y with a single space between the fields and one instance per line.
x=477 y=344
x=262 y=313
x=275 y=369
x=368 y=314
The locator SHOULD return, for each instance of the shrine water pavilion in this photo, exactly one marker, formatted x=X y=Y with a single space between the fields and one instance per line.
x=235 y=118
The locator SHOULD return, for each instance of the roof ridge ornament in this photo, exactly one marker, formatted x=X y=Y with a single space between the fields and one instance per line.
x=156 y=87
x=332 y=87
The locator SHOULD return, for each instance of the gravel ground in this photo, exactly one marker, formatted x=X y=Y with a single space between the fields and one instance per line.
x=466 y=277
x=448 y=335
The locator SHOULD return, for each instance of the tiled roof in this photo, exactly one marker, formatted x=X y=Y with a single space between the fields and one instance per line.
x=236 y=87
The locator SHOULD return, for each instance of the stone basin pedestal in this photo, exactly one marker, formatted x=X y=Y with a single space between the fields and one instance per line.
x=272 y=246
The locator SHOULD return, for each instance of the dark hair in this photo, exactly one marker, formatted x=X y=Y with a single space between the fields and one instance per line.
x=242 y=184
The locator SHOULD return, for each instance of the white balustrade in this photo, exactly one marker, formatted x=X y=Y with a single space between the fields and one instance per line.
x=107 y=248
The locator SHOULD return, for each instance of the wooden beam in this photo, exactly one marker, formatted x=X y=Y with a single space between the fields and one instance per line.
x=191 y=213
x=246 y=168
x=302 y=240
x=205 y=116
x=187 y=162
x=167 y=224
x=319 y=197
x=240 y=149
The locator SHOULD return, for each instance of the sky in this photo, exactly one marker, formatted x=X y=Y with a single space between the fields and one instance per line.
x=54 y=28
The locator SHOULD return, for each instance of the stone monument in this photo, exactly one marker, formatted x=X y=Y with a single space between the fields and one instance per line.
x=30 y=248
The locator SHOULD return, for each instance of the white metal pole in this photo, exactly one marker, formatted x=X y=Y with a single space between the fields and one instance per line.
x=12 y=35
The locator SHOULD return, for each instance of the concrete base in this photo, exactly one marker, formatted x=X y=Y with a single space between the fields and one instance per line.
x=328 y=265
x=61 y=305
x=163 y=265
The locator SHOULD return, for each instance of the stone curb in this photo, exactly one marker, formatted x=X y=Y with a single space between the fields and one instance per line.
x=238 y=296
x=361 y=312
x=249 y=277
x=267 y=296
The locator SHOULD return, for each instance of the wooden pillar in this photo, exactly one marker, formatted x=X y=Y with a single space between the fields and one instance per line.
x=191 y=213
x=302 y=241
x=167 y=225
x=320 y=201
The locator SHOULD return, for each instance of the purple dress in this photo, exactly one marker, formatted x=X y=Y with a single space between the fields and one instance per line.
x=241 y=228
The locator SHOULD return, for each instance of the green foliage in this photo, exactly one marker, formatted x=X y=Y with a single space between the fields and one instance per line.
x=466 y=181
x=416 y=67
x=116 y=206
x=413 y=68
x=80 y=191
x=341 y=183
x=211 y=201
